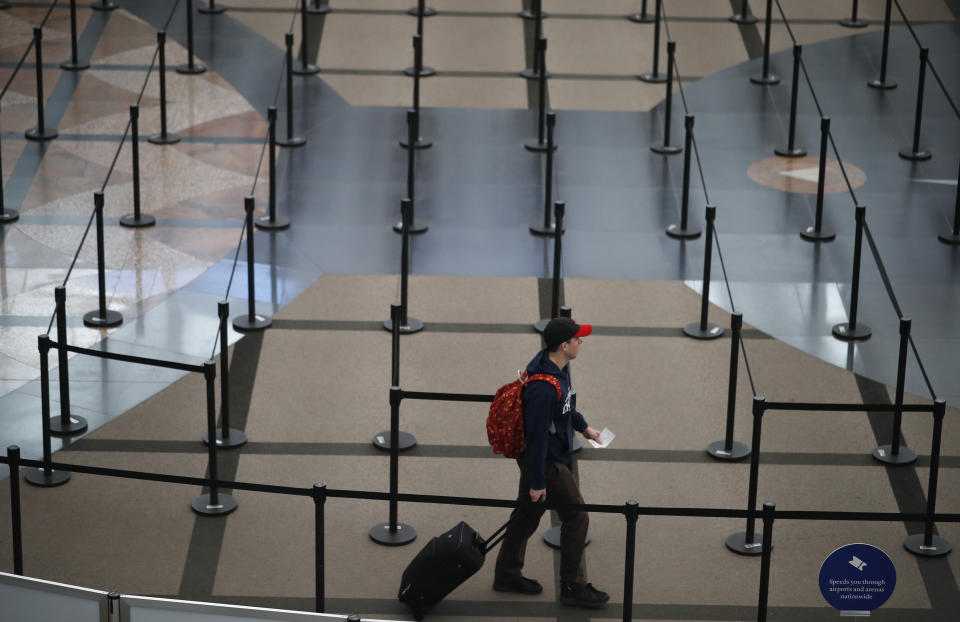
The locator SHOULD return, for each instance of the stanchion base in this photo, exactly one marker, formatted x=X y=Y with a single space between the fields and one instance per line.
x=907 y=153
x=769 y=79
x=244 y=324
x=132 y=220
x=406 y=441
x=540 y=325
x=37 y=477
x=110 y=318
x=413 y=325
x=738 y=451
x=674 y=231
x=854 y=23
x=104 y=6
x=693 y=330
x=550 y=230
x=425 y=72
x=9 y=215
x=532 y=74
x=191 y=70
x=737 y=542
x=216 y=9
x=666 y=149
x=551 y=537
x=534 y=144
x=810 y=234
x=279 y=223
x=843 y=332
x=71 y=66
x=309 y=70
x=427 y=11
x=786 y=152
x=36 y=135
x=642 y=18
x=653 y=78
x=531 y=15
x=160 y=139
x=293 y=141
x=236 y=439
x=885 y=86
x=739 y=18
x=420 y=143
x=947 y=236
x=225 y=504
x=884 y=454
x=405 y=534
x=76 y=425
x=415 y=227
x=319 y=9
x=938 y=546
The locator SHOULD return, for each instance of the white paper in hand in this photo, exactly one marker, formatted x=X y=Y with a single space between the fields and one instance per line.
x=605 y=437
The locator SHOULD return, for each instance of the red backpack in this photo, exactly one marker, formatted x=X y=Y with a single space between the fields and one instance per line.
x=505 y=421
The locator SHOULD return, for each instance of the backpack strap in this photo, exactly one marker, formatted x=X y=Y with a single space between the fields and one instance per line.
x=546 y=378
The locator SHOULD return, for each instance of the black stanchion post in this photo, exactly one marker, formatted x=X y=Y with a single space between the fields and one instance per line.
x=67 y=424
x=642 y=17
x=666 y=147
x=101 y=317
x=393 y=533
x=272 y=221
x=41 y=131
x=74 y=63
x=306 y=68
x=136 y=219
x=319 y=8
x=817 y=233
x=928 y=544
x=749 y=542
x=420 y=143
x=744 y=16
x=947 y=236
x=769 y=509
x=539 y=144
x=632 y=512
x=851 y=330
x=534 y=11
x=914 y=152
x=12 y=215
x=214 y=503
x=290 y=140
x=655 y=75
x=413 y=227
x=104 y=5
x=704 y=329
x=791 y=150
x=854 y=20
x=417 y=70
x=211 y=8
x=684 y=231
x=766 y=77
x=163 y=138
x=252 y=321
x=894 y=453
x=533 y=71
x=407 y=324
x=13 y=455
x=421 y=11
x=227 y=437
x=191 y=67
x=729 y=449
x=559 y=207
x=881 y=82
x=319 y=500
x=547 y=227
x=384 y=439
x=45 y=477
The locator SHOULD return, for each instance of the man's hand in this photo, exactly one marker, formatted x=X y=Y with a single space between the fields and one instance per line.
x=538 y=495
x=592 y=434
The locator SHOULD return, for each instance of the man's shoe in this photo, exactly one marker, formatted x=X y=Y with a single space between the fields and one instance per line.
x=523 y=586
x=584 y=595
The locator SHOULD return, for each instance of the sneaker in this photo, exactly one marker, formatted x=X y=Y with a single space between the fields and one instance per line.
x=523 y=586
x=584 y=595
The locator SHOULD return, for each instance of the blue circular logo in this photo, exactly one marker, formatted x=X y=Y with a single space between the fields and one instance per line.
x=857 y=577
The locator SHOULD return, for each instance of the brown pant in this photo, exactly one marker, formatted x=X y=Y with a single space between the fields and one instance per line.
x=561 y=488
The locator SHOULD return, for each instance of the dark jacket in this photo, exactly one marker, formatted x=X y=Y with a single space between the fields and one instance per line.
x=549 y=422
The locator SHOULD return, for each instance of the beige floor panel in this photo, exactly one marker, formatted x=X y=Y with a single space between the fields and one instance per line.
x=698 y=8
x=599 y=46
x=445 y=423
x=948 y=489
x=362 y=90
x=482 y=300
x=474 y=44
x=606 y=302
x=623 y=95
x=368 y=42
x=726 y=47
x=470 y=6
x=345 y=297
x=469 y=92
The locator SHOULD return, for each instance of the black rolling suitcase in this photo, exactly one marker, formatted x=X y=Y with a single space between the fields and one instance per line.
x=444 y=563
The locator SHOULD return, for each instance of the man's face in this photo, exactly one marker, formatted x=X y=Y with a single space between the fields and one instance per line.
x=572 y=347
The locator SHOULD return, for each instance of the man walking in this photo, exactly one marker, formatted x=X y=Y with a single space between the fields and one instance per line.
x=549 y=422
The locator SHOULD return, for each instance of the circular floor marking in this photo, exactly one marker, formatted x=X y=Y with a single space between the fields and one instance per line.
x=800 y=175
